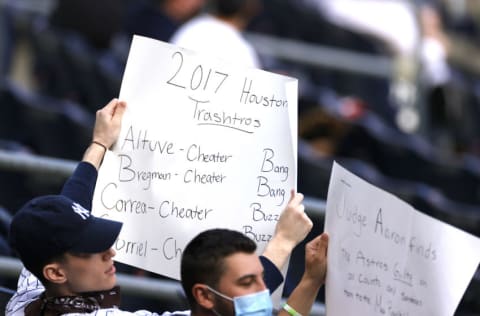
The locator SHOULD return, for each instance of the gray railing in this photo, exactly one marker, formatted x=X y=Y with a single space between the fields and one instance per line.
x=19 y=161
x=322 y=56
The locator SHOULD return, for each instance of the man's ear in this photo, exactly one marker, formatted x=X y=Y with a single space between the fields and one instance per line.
x=203 y=296
x=54 y=273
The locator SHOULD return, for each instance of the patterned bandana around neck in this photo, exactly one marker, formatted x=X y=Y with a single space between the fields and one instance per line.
x=84 y=303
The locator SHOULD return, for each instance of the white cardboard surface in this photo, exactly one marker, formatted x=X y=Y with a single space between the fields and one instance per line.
x=386 y=258
x=203 y=144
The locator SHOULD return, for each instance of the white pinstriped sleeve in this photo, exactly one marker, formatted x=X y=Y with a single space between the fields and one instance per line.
x=29 y=289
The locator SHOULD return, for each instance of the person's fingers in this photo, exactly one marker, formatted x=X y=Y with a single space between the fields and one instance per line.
x=110 y=107
x=313 y=244
x=301 y=208
x=309 y=221
x=324 y=242
x=119 y=111
x=292 y=195
x=307 y=226
x=319 y=243
x=297 y=199
x=107 y=111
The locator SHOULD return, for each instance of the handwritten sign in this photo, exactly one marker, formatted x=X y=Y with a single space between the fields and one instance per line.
x=204 y=144
x=386 y=258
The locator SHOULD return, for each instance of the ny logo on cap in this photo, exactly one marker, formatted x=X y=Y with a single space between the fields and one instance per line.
x=80 y=210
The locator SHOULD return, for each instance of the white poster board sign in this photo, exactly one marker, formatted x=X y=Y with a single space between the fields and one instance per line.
x=204 y=144
x=386 y=258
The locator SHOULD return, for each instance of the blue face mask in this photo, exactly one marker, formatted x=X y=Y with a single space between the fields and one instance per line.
x=255 y=304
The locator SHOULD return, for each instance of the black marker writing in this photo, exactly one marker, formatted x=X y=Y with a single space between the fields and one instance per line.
x=351 y=214
x=172 y=209
x=222 y=118
x=260 y=215
x=416 y=247
x=402 y=275
x=386 y=232
x=139 y=140
x=135 y=248
x=268 y=164
x=170 y=250
x=195 y=153
x=249 y=97
x=130 y=206
x=199 y=78
x=265 y=190
x=195 y=176
x=256 y=236
x=126 y=173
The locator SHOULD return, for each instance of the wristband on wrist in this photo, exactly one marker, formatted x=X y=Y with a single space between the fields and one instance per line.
x=290 y=310
x=100 y=144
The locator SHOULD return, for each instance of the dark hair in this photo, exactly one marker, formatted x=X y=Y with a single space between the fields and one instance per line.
x=228 y=8
x=203 y=257
x=36 y=268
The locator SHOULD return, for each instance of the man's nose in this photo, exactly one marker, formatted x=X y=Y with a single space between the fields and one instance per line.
x=109 y=253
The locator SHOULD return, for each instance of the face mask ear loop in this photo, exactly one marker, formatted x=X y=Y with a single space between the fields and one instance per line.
x=215 y=312
x=220 y=294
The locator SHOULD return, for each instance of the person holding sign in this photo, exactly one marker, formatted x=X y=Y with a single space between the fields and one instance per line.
x=68 y=252
x=221 y=275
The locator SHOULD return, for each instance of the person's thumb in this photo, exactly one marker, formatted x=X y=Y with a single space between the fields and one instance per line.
x=119 y=111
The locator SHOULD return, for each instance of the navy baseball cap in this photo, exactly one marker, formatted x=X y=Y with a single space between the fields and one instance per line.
x=48 y=226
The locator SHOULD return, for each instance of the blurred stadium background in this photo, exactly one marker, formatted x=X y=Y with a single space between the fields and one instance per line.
x=399 y=109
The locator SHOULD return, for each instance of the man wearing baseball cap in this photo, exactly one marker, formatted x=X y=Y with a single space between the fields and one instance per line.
x=66 y=248
x=68 y=252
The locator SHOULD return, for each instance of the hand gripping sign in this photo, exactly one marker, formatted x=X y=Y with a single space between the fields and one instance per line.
x=203 y=144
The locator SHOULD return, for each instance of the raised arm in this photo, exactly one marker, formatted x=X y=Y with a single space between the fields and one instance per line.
x=303 y=296
x=79 y=187
x=292 y=227
x=105 y=133
x=81 y=184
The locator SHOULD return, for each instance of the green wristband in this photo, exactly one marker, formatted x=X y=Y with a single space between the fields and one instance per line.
x=290 y=310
